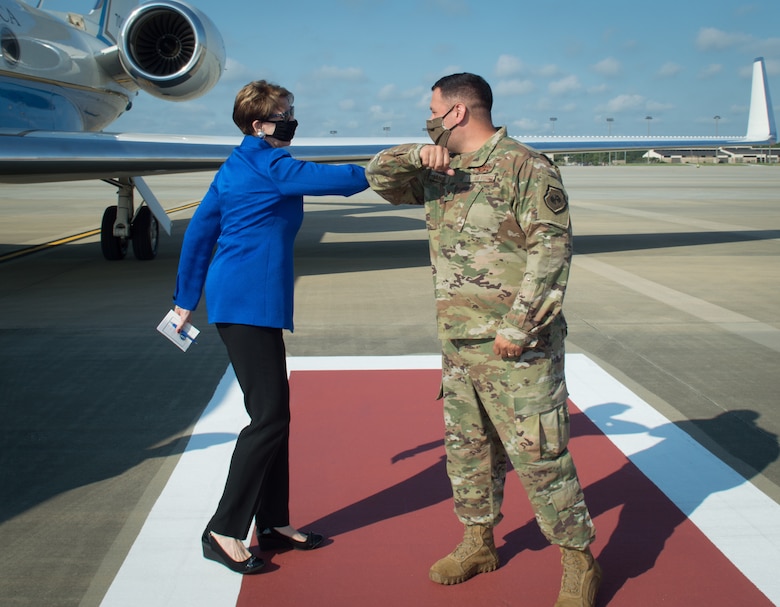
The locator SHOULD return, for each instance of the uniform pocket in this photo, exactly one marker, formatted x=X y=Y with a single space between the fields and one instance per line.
x=542 y=435
x=455 y=216
x=554 y=431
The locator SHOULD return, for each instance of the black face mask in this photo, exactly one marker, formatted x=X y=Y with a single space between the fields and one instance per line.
x=284 y=131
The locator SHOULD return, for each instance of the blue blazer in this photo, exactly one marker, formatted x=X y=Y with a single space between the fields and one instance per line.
x=252 y=213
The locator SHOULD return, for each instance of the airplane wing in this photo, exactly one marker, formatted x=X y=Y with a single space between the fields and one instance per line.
x=35 y=156
x=124 y=158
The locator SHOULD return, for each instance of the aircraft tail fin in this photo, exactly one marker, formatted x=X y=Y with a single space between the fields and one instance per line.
x=761 y=120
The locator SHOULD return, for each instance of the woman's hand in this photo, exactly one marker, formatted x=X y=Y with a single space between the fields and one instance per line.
x=184 y=315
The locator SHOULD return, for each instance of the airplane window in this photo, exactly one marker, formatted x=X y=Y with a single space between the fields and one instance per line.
x=9 y=46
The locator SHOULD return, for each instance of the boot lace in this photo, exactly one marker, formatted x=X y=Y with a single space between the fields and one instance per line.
x=466 y=548
x=574 y=568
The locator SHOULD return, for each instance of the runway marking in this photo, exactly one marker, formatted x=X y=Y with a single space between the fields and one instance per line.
x=74 y=238
x=47 y=245
x=742 y=521
x=165 y=567
x=733 y=322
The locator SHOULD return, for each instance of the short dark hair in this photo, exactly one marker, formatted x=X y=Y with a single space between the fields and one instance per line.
x=472 y=89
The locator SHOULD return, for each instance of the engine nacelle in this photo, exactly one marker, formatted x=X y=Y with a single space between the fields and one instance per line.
x=171 y=50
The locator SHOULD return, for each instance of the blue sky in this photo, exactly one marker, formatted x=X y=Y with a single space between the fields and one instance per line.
x=358 y=67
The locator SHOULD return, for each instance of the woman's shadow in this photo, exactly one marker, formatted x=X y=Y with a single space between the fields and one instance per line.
x=426 y=488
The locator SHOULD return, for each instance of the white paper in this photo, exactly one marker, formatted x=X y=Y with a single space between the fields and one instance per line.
x=181 y=340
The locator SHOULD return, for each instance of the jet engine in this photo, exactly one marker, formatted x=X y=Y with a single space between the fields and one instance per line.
x=171 y=50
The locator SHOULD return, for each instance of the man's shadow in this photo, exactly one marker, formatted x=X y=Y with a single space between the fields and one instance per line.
x=647 y=517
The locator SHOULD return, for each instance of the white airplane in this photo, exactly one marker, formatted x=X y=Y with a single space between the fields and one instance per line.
x=65 y=76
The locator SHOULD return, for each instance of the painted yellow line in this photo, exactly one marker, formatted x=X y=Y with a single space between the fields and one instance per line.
x=55 y=243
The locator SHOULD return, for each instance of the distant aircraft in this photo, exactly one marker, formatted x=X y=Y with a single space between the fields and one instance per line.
x=65 y=76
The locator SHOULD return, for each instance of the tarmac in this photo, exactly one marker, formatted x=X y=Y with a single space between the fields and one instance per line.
x=673 y=294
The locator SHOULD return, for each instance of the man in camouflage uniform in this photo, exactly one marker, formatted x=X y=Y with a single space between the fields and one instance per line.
x=500 y=244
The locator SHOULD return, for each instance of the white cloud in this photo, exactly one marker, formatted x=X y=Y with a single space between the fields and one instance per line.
x=453 y=7
x=712 y=39
x=669 y=69
x=657 y=106
x=509 y=65
x=447 y=70
x=525 y=125
x=514 y=87
x=565 y=85
x=711 y=70
x=424 y=101
x=607 y=67
x=415 y=92
x=331 y=72
x=597 y=89
x=238 y=73
x=386 y=92
x=381 y=114
x=621 y=103
x=772 y=67
x=548 y=71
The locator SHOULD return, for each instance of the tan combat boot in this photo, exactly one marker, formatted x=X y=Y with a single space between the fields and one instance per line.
x=581 y=578
x=475 y=554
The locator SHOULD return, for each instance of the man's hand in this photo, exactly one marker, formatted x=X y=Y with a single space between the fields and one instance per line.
x=436 y=158
x=505 y=348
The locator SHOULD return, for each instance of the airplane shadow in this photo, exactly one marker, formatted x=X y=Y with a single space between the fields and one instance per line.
x=611 y=243
x=315 y=257
x=90 y=391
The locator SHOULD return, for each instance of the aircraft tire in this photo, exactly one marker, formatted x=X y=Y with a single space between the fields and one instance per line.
x=146 y=232
x=114 y=248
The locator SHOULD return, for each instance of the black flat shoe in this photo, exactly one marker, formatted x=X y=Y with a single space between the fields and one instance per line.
x=214 y=552
x=271 y=538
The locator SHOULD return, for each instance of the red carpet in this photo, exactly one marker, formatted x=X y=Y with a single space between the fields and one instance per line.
x=368 y=472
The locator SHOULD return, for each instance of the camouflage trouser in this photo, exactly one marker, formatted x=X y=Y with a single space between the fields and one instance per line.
x=496 y=409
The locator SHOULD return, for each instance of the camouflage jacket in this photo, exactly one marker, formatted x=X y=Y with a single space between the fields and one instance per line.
x=499 y=231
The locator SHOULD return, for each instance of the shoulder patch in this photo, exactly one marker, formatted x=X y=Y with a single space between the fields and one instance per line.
x=555 y=199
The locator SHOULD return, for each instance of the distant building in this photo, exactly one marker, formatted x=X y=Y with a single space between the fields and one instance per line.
x=736 y=155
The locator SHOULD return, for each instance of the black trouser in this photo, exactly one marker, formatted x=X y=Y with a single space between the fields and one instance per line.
x=258 y=482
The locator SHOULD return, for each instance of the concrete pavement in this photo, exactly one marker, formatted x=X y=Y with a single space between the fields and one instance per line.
x=674 y=292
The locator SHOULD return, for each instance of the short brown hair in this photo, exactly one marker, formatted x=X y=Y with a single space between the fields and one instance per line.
x=257 y=101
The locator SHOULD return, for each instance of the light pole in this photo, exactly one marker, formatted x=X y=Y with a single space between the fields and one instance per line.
x=648 y=118
x=553 y=119
x=386 y=129
x=609 y=126
x=716 y=118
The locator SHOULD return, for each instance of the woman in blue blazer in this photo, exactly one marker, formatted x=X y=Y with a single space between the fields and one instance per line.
x=251 y=214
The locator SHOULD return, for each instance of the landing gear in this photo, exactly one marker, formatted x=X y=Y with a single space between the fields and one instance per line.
x=119 y=227
x=146 y=232
x=114 y=247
